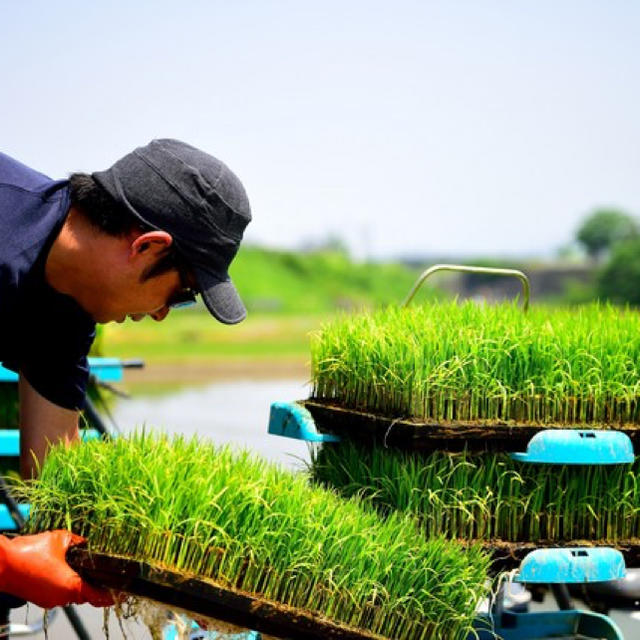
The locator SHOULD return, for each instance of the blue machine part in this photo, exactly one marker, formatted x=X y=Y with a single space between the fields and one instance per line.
x=572 y=565
x=10 y=440
x=6 y=521
x=574 y=446
x=549 y=624
x=171 y=633
x=291 y=420
x=6 y=375
x=104 y=369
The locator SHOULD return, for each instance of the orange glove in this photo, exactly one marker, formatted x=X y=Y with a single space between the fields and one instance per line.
x=34 y=568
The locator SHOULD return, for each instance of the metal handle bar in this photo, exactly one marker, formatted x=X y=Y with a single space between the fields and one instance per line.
x=469 y=269
x=133 y=364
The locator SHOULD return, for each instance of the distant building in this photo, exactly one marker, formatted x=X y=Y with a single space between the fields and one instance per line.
x=546 y=281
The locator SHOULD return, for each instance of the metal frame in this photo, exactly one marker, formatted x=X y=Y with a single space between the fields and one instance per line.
x=471 y=269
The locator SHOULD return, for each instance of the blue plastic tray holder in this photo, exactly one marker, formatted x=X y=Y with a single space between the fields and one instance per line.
x=549 y=624
x=572 y=565
x=292 y=420
x=575 y=446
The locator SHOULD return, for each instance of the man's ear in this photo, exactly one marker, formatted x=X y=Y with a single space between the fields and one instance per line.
x=151 y=243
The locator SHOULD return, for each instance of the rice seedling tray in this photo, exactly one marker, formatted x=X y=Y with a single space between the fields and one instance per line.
x=411 y=434
x=250 y=526
x=210 y=600
x=207 y=598
x=480 y=363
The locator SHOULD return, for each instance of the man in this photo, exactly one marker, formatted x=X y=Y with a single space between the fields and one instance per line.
x=146 y=235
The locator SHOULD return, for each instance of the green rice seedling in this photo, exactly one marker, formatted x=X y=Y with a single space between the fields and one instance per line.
x=447 y=362
x=489 y=496
x=250 y=525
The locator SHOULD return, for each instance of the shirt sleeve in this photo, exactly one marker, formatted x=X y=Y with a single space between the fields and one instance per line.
x=65 y=386
x=54 y=347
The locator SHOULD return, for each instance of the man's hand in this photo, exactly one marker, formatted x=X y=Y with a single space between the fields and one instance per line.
x=34 y=568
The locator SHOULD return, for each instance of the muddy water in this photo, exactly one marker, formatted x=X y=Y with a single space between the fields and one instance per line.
x=227 y=412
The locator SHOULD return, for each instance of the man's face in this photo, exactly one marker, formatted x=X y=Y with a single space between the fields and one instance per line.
x=150 y=297
x=128 y=290
x=136 y=298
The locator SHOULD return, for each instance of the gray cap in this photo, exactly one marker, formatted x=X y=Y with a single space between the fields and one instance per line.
x=171 y=186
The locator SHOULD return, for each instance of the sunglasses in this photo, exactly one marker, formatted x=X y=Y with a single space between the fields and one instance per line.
x=187 y=295
x=184 y=298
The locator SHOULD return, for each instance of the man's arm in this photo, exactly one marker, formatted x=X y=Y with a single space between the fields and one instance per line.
x=42 y=424
x=34 y=567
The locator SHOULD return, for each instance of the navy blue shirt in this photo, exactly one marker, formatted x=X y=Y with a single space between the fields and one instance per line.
x=44 y=335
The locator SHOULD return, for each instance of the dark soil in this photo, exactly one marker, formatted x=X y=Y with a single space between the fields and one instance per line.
x=415 y=435
x=205 y=597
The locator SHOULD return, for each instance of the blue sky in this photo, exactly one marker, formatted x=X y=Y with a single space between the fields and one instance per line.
x=407 y=128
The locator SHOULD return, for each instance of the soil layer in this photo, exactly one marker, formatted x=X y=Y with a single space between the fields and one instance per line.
x=414 y=435
x=205 y=597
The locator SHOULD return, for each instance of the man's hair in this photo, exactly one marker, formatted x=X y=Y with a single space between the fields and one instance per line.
x=100 y=209
x=106 y=215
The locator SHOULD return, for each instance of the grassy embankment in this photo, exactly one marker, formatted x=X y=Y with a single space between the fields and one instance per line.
x=287 y=295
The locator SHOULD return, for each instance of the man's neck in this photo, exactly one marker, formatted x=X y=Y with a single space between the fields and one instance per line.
x=79 y=260
x=65 y=255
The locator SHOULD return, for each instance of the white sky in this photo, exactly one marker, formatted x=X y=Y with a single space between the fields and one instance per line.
x=420 y=127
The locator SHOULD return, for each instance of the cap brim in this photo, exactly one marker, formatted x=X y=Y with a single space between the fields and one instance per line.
x=221 y=298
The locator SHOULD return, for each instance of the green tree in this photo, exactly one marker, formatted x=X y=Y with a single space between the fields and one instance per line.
x=619 y=279
x=603 y=229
